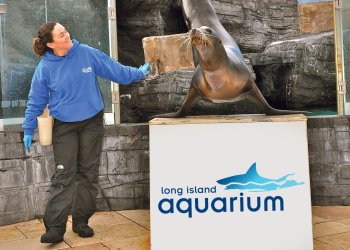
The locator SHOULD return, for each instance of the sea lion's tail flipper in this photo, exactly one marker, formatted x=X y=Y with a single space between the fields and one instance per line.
x=256 y=96
x=191 y=98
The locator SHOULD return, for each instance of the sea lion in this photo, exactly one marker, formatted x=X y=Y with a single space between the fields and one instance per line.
x=222 y=74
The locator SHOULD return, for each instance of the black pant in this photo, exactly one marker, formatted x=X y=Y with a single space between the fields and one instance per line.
x=77 y=149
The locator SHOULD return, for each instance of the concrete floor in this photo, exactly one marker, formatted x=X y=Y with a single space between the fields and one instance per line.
x=131 y=230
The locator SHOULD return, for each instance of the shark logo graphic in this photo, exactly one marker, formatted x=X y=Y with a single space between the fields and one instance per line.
x=252 y=181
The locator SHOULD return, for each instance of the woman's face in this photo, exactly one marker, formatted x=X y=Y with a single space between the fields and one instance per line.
x=61 y=40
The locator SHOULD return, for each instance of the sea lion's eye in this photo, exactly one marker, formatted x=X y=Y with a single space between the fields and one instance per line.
x=209 y=30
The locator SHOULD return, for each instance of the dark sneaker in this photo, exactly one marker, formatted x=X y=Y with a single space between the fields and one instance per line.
x=83 y=230
x=51 y=236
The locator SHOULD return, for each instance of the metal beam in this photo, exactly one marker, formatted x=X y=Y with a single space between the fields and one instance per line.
x=339 y=58
x=113 y=48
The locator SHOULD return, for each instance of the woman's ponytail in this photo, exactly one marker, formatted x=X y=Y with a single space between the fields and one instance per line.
x=38 y=48
x=39 y=44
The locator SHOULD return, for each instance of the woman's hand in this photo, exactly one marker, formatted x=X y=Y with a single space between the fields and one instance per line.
x=144 y=69
x=27 y=139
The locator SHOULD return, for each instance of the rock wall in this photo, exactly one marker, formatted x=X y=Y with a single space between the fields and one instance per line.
x=256 y=23
x=298 y=73
x=124 y=169
x=25 y=178
x=142 y=18
x=329 y=159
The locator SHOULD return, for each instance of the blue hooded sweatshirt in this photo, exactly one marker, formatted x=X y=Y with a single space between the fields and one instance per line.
x=68 y=84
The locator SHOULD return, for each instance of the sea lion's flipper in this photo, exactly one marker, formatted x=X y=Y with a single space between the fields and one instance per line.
x=255 y=95
x=191 y=98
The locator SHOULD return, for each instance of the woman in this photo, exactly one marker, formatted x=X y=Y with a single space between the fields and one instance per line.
x=65 y=79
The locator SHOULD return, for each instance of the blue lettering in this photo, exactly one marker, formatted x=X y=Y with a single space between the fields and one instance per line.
x=232 y=206
x=201 y=190
x=171 y=206
x=223 y=206
x=178 y=191
x=219 y=204
x=188 y=209
x=190 y=190
x=273 y=200
x=241 y=202
x=199 y=210
x=257 y=205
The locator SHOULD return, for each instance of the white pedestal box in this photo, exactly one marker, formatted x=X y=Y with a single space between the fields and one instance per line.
x=230 y=182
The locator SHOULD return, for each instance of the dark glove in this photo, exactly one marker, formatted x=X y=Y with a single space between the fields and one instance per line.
x=27 y=139
x=144 y=69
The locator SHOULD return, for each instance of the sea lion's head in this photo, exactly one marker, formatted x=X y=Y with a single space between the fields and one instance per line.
x=203 y=36
x=208 y=45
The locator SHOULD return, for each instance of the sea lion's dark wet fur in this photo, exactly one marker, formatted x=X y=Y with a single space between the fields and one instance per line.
x=221 y=75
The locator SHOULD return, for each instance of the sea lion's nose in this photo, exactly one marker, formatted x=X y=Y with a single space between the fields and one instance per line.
x=193 y=31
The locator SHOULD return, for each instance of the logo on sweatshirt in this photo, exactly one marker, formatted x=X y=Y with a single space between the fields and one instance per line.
x=86 y=70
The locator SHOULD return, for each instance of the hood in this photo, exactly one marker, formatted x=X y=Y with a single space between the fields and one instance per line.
x=50 y=56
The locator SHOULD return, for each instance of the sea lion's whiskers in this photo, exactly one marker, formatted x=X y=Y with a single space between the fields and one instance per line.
x=187 y=42
x=183 y=36
x=210 y=43
x=189 y=46
x=206 y=41
x=187 y=39
x=201 y=39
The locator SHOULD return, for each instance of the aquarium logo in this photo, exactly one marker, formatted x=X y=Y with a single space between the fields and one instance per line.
x=253 y=182
x=86 y=70
x=206 y=200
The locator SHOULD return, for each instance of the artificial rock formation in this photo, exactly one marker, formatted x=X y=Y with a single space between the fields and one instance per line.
x=168 y=53
x=292 y=72
x=253 y=23
x=298 y=73
x=316 y=17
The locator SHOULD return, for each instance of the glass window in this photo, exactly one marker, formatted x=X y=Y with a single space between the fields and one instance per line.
x=86 y=20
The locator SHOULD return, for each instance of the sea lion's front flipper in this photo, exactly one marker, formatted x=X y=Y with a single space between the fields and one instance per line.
x=191 y=98
x=255 y=95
